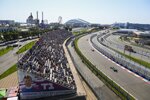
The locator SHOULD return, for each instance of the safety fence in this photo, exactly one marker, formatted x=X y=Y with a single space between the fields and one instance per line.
x=123 y=61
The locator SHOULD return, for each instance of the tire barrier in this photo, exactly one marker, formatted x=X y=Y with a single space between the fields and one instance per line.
x=130 y=65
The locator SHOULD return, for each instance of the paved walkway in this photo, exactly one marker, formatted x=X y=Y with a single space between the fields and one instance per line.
x=9 y=59
x=101 y=90
x=80 y=88
x=9 y=81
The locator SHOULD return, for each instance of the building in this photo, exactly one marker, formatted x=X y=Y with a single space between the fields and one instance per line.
x=126 y=31
x=141 y=34
x=142 y=27
x=31 y=21
x=5 y=22
x=77 y=23
x=134 y=32
x=95 y=25
x=6 y=29
x=118 y=25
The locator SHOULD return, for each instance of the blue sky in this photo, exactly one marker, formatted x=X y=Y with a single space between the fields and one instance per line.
x=94 y=11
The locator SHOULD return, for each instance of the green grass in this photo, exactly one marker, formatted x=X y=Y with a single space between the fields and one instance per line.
x=75 y=33
x=139 y=61
x=132 y=43
x=2 y=93
x=9 y=71
x=5 y=50
x=80 y=32
x=26 y=47
x=83 y=31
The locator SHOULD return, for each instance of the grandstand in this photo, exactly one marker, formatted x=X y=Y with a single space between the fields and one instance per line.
x=44 y=70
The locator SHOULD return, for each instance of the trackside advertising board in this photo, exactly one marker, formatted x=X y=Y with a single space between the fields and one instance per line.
x=31 y=86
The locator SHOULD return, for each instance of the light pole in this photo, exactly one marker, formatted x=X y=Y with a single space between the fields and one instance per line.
x=141 y=55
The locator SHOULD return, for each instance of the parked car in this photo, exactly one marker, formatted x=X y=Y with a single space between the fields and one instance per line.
x=16 y=45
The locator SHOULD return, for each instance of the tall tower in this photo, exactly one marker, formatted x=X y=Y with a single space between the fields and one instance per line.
x=37 y=19
x=42 y=18
x=30 y=19
x=37 y=14
x=60 y=20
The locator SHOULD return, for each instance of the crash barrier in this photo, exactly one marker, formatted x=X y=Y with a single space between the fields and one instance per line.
x=143 y=53
x=82 y=73
x=108 y=81
x=123 y=61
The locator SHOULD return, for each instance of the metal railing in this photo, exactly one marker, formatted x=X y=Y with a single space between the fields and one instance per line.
x=123 y=61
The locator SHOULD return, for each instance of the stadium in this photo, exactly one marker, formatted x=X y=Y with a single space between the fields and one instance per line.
x=44 y=70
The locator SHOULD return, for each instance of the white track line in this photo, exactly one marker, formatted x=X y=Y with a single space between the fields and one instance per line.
x=120 y=65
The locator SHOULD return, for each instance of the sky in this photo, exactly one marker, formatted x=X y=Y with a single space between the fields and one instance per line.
x=93 y=11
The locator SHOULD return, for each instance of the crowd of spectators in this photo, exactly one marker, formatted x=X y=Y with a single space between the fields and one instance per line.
x=47 y=59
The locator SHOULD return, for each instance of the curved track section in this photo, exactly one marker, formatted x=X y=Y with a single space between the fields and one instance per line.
x=116 y=57
x=131 y=83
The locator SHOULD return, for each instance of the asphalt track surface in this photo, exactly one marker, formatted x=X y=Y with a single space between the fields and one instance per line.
x=114 y=42
x=102 y=91
x=132 y=83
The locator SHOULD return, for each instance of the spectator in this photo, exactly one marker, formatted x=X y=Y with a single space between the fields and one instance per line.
x=47 y=59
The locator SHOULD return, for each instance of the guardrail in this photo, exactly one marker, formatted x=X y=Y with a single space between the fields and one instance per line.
x=132 y=66
x=109 y=82
x=80 y=71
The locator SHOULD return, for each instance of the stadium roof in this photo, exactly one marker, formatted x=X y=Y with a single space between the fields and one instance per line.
x=79 y=21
